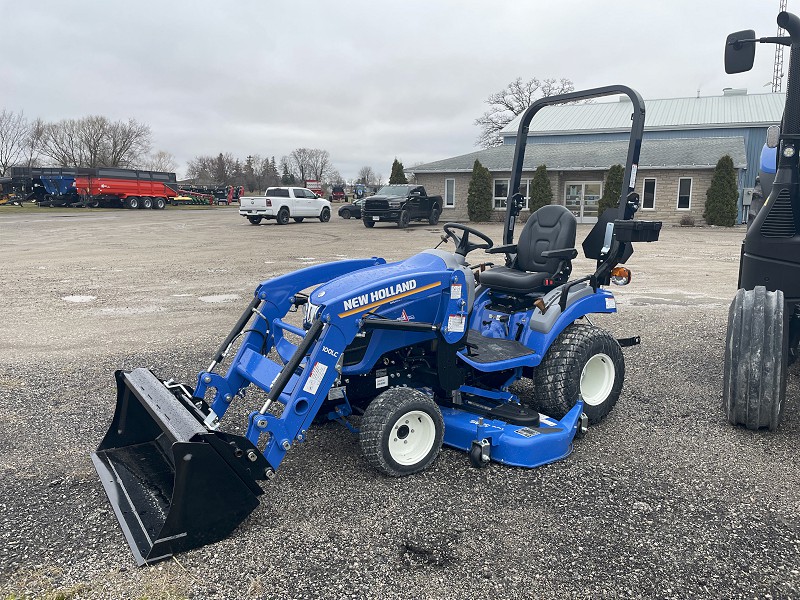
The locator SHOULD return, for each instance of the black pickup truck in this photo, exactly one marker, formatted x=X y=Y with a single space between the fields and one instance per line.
x=401 y=204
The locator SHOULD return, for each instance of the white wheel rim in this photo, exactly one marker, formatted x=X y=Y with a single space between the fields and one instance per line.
x=597 y=379
x=411 y=437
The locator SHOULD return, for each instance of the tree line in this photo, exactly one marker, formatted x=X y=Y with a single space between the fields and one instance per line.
x=93 y=141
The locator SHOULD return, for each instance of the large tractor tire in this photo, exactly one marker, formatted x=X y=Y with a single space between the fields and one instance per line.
x=401 y=431
x=584 y=361
x=754 y=386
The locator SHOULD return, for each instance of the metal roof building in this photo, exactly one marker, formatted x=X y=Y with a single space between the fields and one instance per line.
x=683 y=140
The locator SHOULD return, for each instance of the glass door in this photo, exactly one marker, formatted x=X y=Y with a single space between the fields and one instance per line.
x=572 y=199
x=582 y=200
x=591 y=201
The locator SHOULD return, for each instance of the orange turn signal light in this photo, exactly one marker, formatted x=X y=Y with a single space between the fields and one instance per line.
x=620 y=276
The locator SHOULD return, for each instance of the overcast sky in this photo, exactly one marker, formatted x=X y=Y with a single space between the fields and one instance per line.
x=366 y=80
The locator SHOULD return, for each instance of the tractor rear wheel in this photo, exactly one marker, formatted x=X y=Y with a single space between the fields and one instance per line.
x=401 y=431
x=584 y=361
x=754 y=385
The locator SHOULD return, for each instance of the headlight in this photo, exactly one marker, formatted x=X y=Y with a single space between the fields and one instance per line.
x=311 y=311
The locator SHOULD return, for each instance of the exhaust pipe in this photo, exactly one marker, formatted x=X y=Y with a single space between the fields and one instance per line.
x=174 y=485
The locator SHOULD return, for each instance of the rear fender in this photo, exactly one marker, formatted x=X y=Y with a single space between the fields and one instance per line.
x=601 y=301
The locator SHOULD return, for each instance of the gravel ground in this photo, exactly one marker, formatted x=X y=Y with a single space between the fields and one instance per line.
x=661 y=500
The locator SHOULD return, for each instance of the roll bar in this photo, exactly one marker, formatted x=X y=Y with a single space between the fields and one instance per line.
x=631 y=163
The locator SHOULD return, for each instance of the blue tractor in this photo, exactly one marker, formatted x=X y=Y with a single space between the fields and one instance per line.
x=407 y=355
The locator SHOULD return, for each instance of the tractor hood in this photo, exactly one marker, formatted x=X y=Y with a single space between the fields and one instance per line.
x=390 y=289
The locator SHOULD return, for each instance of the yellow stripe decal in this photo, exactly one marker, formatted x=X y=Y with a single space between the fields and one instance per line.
x=389 y=299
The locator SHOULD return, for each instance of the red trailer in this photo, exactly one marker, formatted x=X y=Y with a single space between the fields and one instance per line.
x=126 y=187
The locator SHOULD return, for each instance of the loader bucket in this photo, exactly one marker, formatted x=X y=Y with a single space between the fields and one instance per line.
x=173 y=484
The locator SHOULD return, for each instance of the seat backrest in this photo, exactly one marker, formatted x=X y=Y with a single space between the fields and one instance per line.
x=551 y=227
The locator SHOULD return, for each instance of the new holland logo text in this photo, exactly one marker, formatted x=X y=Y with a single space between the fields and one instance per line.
x=381 y=294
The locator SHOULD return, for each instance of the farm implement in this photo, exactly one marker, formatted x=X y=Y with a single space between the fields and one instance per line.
x=407 y=355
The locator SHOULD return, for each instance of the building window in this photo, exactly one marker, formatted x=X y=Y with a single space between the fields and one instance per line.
x=685 y=193
x=449 y=193
x=501 y=192
x=649 y=194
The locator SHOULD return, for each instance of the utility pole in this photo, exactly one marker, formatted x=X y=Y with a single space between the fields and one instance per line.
x=777 y=71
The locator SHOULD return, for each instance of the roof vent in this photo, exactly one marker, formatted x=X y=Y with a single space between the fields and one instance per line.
x=734 y=92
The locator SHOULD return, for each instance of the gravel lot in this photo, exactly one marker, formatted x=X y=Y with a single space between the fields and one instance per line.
x=661 y=500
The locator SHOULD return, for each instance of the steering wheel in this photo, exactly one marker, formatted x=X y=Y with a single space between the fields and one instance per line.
x=463 y=245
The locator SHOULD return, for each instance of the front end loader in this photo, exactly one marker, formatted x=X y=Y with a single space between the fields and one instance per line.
x=408 y=355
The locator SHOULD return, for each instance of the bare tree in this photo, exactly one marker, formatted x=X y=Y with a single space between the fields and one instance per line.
x=95 y=141
x=319 y=161
x=126 y=142
x=13 y=138
x=34 y=141
x=300 y=163
x=366 y=176
x=513 y=100
x=160 y=161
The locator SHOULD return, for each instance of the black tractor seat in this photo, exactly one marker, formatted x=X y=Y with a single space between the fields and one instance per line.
x=544 y=253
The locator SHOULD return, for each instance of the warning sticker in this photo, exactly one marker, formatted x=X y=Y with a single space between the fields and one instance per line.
x=381 y=382
x=315 y=379
x=633 y=176
x=526 y=432
x=456 y=323
x=611 y=303
x=455 y=291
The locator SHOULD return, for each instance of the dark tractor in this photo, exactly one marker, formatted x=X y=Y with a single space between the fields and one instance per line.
x=764 y=318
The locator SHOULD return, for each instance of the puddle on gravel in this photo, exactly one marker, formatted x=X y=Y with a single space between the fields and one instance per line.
x=219 y=298
x=79 y=298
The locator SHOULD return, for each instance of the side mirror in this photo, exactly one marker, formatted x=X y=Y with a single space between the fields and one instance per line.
x=740 y=54
x=773 y=136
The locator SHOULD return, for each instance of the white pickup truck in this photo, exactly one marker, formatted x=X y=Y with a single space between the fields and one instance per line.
x=284 y=203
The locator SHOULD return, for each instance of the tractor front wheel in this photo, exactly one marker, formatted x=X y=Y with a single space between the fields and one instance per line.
x=754 y=380
x=584 y=361
x=401 y=432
